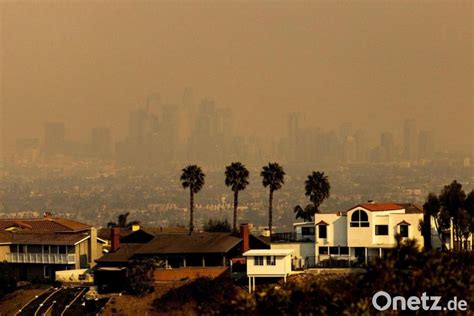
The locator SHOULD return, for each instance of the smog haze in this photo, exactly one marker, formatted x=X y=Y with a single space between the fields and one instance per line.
x=366 y=63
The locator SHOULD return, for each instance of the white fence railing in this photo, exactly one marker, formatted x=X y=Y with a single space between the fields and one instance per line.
x=42 y=258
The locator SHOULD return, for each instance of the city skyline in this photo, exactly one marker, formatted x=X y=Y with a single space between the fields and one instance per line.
x=261 y=60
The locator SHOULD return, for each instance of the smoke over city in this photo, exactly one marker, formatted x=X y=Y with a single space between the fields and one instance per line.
x=370 y=93
x=353 y=66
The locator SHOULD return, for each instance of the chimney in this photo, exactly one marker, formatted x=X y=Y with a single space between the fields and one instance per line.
x=244 y=234
x=370 y=201
x=115 y=238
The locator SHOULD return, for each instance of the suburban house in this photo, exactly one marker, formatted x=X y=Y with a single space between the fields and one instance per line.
x=354 y=236
x=183 y=255
x=138 y=234
x=38 y=247
x=267 y=263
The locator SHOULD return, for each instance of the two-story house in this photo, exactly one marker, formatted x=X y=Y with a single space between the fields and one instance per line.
x=358 y=234
x=38 y=247
x=366 y=230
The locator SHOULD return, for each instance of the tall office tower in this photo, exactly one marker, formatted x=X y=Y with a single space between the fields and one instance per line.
x=169 y=131
x=361 y=146
x=54 y=138
x=387 y=147
x=294 y=134
x=349 y=149
x=345 y=130
x=410 y=139
x=188 y=98
x=224 y=122
x=187 y=116
x=137 y=120
x=426 y=145
x=101 y=142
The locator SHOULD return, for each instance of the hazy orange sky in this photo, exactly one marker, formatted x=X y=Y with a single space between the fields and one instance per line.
x=372 y=63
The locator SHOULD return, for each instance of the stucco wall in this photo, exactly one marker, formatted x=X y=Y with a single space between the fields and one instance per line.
x=282 y=266
x=300 y=249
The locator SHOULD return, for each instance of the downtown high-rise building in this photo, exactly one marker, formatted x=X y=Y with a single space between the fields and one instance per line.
x=294 y=136
x=426 y=145
x=54 y=142
x=387 y=147
x=410 y=140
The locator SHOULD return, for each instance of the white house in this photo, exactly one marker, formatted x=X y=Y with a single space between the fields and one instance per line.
x=267 y=263
x=357 y=235
x=301 y=241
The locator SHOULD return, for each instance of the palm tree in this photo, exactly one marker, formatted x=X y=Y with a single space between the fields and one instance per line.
x=122 y=222
x=192 y=178
x=236 y=177
x=317 y=187
x=306 y=214
x=273 y=176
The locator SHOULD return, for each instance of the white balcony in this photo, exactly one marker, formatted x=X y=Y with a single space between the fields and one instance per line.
x=41 y=258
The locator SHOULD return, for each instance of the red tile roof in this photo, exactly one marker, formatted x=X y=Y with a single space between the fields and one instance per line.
x=322 y=223
x=45 y=224
x=403 y=223
x=376 y=207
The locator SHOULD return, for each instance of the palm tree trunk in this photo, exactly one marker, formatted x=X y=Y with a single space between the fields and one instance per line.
x=236 y=203
x=270 y=215
x=191 y=211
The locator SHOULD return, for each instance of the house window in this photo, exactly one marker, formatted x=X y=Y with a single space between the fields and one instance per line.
x=344 y=250
x=404 y=230
x=359 y=219
x=323 y=231
x=323 y=250
x=307 y=231
x=258 y=261
x=334 y=250
x=381 y=230
x=270 y=260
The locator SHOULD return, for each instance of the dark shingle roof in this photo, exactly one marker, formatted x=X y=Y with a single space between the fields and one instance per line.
x=194 y=243
x=46 y=238
x=124 y=254
x=411 y=208
x=106 y=233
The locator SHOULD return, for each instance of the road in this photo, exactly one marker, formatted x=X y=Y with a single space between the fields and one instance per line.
x=64 y=301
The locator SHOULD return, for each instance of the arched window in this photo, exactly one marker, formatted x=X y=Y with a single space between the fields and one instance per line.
x=359 y=219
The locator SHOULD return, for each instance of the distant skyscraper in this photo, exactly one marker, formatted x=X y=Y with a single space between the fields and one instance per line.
x=410 y=139
x=361 y=146
x=294 y=135
x=137 y=125
x=54 y=138
x=387 y=147
x=426 y=145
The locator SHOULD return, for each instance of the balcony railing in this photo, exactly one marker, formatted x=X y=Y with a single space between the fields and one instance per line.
x=291 y=237
x=42 y=258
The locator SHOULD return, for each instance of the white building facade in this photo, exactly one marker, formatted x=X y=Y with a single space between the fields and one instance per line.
x=267 y=263
x=355 y=236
